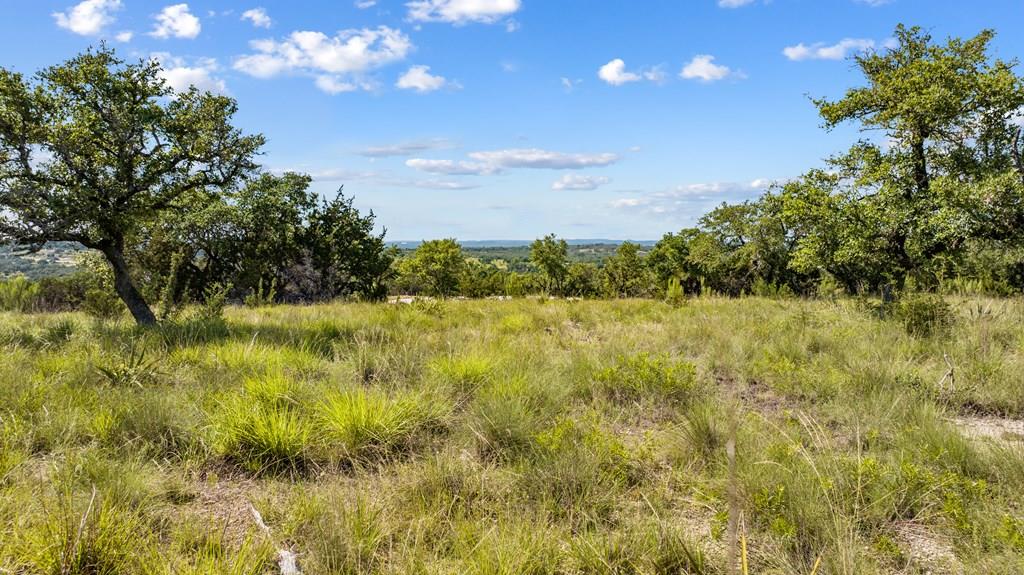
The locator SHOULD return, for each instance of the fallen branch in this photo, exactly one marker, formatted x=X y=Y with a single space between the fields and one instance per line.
x=287 y=561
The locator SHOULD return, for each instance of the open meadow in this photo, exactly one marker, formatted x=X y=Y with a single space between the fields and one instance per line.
x=518 y=437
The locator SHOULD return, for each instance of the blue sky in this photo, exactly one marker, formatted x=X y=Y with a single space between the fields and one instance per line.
x=509 y=119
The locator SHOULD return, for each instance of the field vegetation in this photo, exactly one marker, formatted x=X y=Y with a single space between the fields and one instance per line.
x=527 y=436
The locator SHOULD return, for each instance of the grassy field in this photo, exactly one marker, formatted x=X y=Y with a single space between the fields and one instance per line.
x=515 y=437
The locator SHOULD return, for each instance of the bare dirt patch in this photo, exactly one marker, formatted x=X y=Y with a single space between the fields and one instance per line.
x=1009 y=431
x=927 y=550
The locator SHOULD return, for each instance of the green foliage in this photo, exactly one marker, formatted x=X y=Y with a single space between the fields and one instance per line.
x=645 y=375
x=551 y=256
x=369 y=426
x=674 y=294
x=215 y=299
x=18 y=294
x=437 y=265
x=947 y=178
x=924 y=314
x=624 y=274
x=146 y=153
x=131 y=368
x=260 y=297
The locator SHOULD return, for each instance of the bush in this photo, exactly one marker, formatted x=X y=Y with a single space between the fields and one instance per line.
x=18 y=294
x=924 y=314
x=674 y=294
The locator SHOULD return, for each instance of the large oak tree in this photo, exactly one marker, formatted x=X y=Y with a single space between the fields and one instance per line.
x=93 y=149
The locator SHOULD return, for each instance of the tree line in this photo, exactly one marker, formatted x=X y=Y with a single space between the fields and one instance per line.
x=168 y=194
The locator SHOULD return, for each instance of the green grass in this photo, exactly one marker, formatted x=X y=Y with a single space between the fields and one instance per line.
x=524 y=436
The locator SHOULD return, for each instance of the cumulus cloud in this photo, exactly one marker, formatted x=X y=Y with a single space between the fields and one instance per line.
x=334 y=85
x=451 y=167
x=615 y=73
x=734 y=3
x=332 y=60
x=405 y=148
x=543 y=159
x=180 y=76
x=89 y=17
x=577 y=182
x=258 y=17
x=176 y=21
x=420 y=79
x=691 y=199
x=703 y=68
x=460 y=12
x=125 y=36
x=364 y=4
x=378 y=178
x=822 y=51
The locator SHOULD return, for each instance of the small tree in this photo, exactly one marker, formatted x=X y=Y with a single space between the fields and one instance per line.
x=440 y=265
x=93 y=149
x=346 y=254
x=624 y=274
x=551 y=256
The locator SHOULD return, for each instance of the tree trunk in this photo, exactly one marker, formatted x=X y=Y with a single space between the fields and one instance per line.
x=125 y=288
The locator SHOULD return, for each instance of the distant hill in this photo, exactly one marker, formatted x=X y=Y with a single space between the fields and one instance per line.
x=54 y=259
x=58 y=258
x=411 y=245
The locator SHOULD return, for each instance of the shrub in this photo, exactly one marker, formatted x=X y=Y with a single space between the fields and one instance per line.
x=215 y=299
x=260 y=297
x=924 y=314
x=18 y=294
x=674 y=294
x=131 y=368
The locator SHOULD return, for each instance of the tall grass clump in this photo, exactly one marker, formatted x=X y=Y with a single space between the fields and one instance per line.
x=265 y=430
x=18 y=294
x=362 y=426
x=86 y=537
x=649 y=376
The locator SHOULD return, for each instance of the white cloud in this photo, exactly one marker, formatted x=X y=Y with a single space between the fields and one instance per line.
x=176 y=21
x=535 y=158
x=258 y=17
x=420 y=79
x=381 y=179
x=655 y=74
x=125 y=36
x=874 y=3
x=314 y=53
x=334 y=85
x=692 y=199
x=569 y=84
x=461 y=12
x=364 y=4
x=821 y=51
x=452 y=168
x=180 y=76
x=577 y=182
x=405 y=148
x=702 y=67
x=615 y=73
x=89 y=17
x=734 y=3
